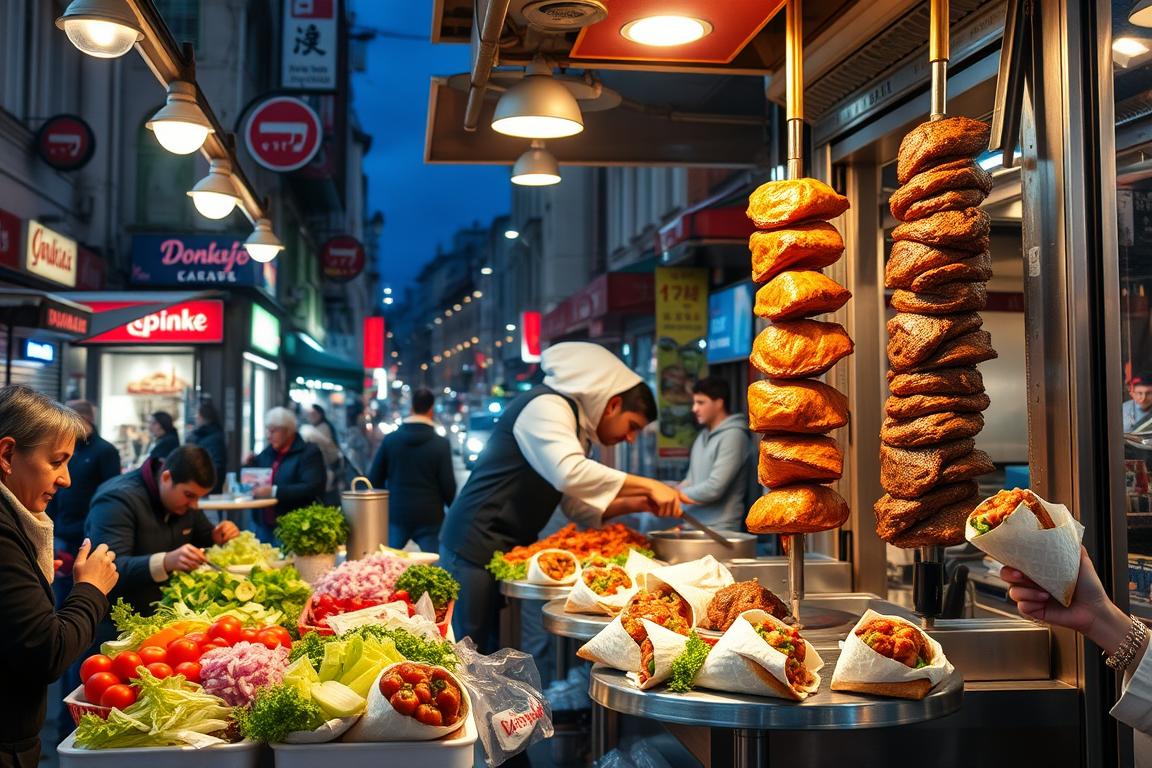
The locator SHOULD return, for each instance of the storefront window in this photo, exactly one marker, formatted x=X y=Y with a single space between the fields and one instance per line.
x=162 y=179
x=136 y=385
x=258 y=388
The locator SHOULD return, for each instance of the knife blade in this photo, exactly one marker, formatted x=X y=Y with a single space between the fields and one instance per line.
x=711 y=533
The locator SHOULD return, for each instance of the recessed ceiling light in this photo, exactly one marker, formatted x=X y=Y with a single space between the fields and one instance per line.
x=1141 y=13
x=665 y=30
x=1129 y=46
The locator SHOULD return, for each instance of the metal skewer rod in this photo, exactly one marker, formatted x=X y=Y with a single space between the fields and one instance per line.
x=794 y=97
x=938 y=57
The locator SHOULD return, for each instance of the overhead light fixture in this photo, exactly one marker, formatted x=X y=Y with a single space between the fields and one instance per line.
x=664 y=31
x=486 y=270
x=180 y=125
x=1129 y=46
x=262 y=244
x=1141 y=13
x=106 y=29
x=215 y=194
x=510 y=327
x=477 y=294
x=511 y=234
x=538 y=107
x=536 y=168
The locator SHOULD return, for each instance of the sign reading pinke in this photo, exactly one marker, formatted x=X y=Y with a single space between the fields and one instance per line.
x=283 y=134
x=342 y=258
x=193 y=322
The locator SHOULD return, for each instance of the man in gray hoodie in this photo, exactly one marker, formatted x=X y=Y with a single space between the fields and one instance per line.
x=718 y=464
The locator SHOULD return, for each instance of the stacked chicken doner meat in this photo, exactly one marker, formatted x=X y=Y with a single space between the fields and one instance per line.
x=937 y=270
x=792 y=409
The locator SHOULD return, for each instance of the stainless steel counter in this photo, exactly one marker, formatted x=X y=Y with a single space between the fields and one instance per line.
x=526 y=590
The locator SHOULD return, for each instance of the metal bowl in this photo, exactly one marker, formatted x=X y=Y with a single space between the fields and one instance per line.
x=681 y=546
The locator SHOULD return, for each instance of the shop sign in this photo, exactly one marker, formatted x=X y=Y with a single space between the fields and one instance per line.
x=50 y=255
x=65 y=142
x=264 y=333
x=40 y=351
x=57 y=317
x=310 y=47
x=283 y=134
x=681 y=327
x=342 y=258
x=195 y=260
x=192 y=322
x=730 y=322
x=530 y=337
x=9 y=240
x=373 y=343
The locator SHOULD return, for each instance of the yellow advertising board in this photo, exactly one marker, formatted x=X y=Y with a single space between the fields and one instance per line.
x=681 y=327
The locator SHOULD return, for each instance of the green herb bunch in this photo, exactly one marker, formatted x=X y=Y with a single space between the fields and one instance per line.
x=437 y=582
x=687 y=665
x=313 y=530
x=276 y=712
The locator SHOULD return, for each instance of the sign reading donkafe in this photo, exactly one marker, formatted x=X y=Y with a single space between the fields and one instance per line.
x=309 y=50
x=198 y=260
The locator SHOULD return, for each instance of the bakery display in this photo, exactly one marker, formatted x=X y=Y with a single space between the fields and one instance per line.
x=937 y=272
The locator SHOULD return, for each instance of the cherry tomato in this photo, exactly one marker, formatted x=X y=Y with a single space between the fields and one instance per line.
x=439 y=673
x=248 y=636
x=125 y=665
x=212 y=645
x=120 y=696
x=268 y=639
x=448 y=702
x=400 y=594
x=429 y=715
x=197 y=637
x=283 y=634
x=423 y=692
x=404 y=701
x=411 y=673
x=190 y=670
x=227 y=631
x=152 y=655
x=389 y=684
x=94 y=664
x=99 y=682
x=180 y=651
x=160 y=670
x=324 y=601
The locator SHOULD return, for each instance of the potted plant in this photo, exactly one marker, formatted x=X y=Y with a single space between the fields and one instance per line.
x=442 y=590
x=313 y=534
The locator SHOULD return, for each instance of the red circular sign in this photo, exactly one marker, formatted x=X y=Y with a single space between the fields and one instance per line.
x=65 y=142
x=342 y=258
x=283 y=134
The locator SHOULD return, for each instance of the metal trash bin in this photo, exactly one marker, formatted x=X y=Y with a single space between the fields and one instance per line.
x=367 y=512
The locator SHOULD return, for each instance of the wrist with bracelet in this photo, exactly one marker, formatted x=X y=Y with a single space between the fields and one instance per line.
x=1125 y=653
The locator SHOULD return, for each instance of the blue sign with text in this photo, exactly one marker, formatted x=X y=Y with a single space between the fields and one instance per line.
x=730 y=323
x=198 y=260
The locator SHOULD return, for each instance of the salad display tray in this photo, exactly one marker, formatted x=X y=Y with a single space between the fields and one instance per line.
x=242 y=754
x=455 y=751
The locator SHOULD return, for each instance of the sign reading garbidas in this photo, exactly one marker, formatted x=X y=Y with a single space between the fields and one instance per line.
x=309 y=50
x=50 y=255
x=199 y=260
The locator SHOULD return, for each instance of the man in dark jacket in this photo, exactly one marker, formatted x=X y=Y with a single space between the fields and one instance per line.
x=298 y=473
x=209 y=435
x=415 y=465
x=149 y=518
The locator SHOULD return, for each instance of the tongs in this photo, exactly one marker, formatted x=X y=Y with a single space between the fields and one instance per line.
x=711 y=533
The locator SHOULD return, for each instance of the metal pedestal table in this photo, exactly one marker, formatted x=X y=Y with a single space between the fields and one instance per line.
x=230 y=506
x=510 y=626
x=750 y=718
x=583 y=627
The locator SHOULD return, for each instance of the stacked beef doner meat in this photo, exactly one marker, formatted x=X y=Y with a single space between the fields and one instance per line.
x=937 y=270
x=794 y=243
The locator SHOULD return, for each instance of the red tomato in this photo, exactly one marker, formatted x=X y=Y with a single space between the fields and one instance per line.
x=197 y=637
x=227 y=631
x=248 y=635
x=120 y=696
x=180 y=651
x=153 y=655
x=125 y=665
x=404 y=701
x=429 y=715
x=268 y=638
x=400 y=594
x=389 y=684
x=282 y=633
x=160 y=670
x=190 y=670
x=94 y=664
x=99 y=682
x=412 y=674
x=324 y=601
x=212 y=645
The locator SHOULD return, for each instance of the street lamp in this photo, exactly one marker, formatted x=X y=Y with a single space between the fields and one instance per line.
x=538 y=107
x=262 y=244
x=536 y=168
x=215 y=195
x=106 y=29
x=486 y=270
x=180 y=125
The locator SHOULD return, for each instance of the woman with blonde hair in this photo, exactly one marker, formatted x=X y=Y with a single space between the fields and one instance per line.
x=37 y=438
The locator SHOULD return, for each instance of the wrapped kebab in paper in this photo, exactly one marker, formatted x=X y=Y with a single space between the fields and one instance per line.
x=761 y=655
x=657 y=652
x=409 y=701
x=605 y=588
x=618 y=644
x=889 y=656
x=554 y=567
x=1041 y=540
x=705 y=574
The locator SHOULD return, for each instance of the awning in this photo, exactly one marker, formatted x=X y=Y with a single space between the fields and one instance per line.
x=613 y=294
x=47 y=312
x=137 y=304
x=302 y=361
x=719 y=220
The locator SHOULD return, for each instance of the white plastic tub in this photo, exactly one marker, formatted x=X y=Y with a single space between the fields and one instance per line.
x=453 y=752
x=243 y=754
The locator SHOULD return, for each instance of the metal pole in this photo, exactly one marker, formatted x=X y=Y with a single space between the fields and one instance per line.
x=938 y=57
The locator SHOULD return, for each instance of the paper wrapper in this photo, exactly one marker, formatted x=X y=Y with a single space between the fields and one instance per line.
x=666 y=646
x=536 y=574
x=862 y=670
x=741 y=662
x=583 y=600
x=381 y=721
x=637 y=564
x=613 y=647
x=1048 y=556
x=329 y=731
x=697 y=581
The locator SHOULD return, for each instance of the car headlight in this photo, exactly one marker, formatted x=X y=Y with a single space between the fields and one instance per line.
x=475 y=444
